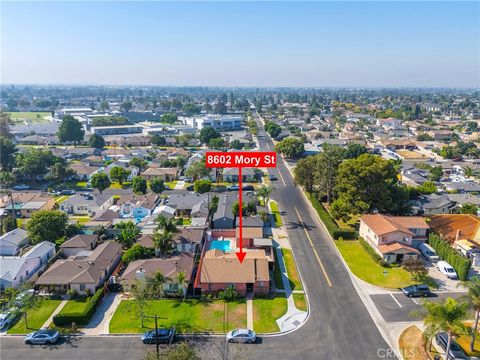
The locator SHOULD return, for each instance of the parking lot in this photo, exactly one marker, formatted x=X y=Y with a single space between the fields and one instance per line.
x=396 y=307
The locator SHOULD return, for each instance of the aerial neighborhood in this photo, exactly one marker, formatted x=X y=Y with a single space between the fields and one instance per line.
x=109 y=211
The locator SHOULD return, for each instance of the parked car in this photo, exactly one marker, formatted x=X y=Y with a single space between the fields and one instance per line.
x=232 y=188
x=165 y=336
x=21 y=187
x=248 y=188
x=416 y=290
x=189 y=188
x=455 y=352
x=24 y=295
x=67 y=192
x=242 y=336
x=429 y=253
x=42 y=336
x=447 y=270
x=273 y=177
x=6 y=319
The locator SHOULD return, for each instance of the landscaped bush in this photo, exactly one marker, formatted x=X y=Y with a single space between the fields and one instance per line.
x=80 y=318
x=329 y=223
x=450 y=255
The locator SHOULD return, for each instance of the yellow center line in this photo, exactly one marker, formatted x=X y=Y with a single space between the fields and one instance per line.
x=314 y=250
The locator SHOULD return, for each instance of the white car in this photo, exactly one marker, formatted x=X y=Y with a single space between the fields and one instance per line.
x=242 y=336
x=447 y=270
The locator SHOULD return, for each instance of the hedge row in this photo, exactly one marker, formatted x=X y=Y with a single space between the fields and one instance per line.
x=450 y=255
x=329 y=223
x=83 y=317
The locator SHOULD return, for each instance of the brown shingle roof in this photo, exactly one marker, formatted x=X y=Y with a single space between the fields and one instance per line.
x=169 y=267
x=80 y=241
x=220 y=267
x=397 y=248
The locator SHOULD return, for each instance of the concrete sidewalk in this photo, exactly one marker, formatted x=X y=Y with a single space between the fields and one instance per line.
x=250 y=311
x=179 y=185
x=57 y=310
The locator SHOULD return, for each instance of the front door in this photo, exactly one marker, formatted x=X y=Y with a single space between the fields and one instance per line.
x=399 y=258
x=249 y=287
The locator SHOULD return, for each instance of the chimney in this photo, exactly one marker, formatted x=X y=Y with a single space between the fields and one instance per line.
x=457 y=236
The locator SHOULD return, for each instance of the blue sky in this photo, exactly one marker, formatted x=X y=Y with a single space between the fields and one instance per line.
x=374 y=44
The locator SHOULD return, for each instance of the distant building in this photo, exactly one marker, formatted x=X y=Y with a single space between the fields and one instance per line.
x=218 y=122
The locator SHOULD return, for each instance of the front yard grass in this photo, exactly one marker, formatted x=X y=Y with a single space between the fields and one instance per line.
x=267 y=311
x=80 y=219
x=187 y=316
x=276 y=213
x=74 y=306
x=171 y=184
x=464 y=342
x=36 y=317
x=30 y=116
x=300 y=301
x=363 y=266
x=60 y=199
x=292 y=273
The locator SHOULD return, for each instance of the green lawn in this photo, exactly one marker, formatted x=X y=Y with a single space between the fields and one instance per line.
x=73 y=306
x=278 y=275
x=61 y=199
x=21 y=222
x=300 y=301
x=32 y=116
x=36 y=317
x=171 y=184
x=363 y=266
x=276 y=213
x=292 y=273
x=266 y=312
x=80 y=219
x=81 y=184
x=184 y=221
x=187 y=316
x=125 y=185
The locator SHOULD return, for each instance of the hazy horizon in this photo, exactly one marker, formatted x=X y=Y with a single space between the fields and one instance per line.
x=263 y=45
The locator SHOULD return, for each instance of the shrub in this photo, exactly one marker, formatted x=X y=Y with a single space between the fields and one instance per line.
x=370 y=251
x=450 y=255
x=228 y=294
x=329 y=223
x=80 y=318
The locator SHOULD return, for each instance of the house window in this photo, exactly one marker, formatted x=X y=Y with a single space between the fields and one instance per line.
x=261 y=284
x=82 y=287
x=210 y=287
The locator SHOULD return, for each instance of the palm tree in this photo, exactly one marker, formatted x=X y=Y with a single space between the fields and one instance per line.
x=444 y=317
x=163 y=242
x=155 y=284
x=182 y=282
x=473 y=287
x=264 y=192
x=468 y=171
x=166 y=224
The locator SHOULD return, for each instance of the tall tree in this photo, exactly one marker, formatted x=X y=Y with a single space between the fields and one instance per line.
x=70 y=130
x=129 y=233
x=100 y=181
x=126 y=106
x=139 y=185
x=119 y=174
x=291 y=147
x=305 y=172
x=327 y=169
x=163 y=242
x=47 y=225
x=34 y=162
x=96 y=141
x=7 y=153
x=157 y=185
x=208 y=133
x=264 y=192
x=5 y=123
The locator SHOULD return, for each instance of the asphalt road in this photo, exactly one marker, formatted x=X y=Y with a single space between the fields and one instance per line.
x=339 y=326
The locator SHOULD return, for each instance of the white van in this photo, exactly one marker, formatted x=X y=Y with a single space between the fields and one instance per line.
x=428 y=252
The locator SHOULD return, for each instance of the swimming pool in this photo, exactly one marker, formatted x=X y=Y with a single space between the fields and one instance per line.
x=223 y=245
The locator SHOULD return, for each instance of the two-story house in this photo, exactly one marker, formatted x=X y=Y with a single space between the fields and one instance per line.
x=394 y=238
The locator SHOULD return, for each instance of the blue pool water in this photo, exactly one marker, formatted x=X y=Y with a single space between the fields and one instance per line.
x=220 y=245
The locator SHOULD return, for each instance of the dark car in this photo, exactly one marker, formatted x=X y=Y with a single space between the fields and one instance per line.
x=189 y=188
x=273 y=178
x=416 y=290
x=455 y=352
x=165 y=336
x=248 y=188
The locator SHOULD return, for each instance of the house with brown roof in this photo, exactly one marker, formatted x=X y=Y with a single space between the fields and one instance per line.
x=26 y=203
x=456 y=227
x=394 y=238
x=187 y=240
x=83 y=273
x=165 y=174
x=83 y=171
x=219 y=270
x=170 y=268
x=79 y=243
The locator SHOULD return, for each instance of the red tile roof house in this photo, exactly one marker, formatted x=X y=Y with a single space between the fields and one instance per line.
x=394 y=238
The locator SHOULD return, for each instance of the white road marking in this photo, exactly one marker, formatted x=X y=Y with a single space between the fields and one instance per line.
x=393 y=297
x=415 y=301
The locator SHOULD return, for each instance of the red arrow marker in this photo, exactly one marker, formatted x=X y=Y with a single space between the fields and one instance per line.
x=240 y=254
